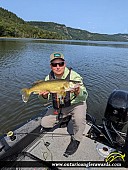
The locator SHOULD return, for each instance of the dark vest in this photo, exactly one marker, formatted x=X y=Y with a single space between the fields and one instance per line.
x=67 y=101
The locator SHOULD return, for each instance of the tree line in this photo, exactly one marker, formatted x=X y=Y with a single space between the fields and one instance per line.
x=13 y=26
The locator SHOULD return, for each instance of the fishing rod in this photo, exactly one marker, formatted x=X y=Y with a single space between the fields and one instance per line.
x=13 y=158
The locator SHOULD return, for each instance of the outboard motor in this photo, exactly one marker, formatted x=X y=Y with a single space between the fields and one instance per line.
x=115 y=118
x=117 y=109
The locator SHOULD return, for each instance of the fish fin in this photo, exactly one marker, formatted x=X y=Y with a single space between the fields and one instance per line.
x=37 y=82
x=65 y=85
x=35 y=92
x=25 y=94
x=62 y=93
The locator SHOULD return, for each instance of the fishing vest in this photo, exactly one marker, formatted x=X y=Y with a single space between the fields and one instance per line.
x=67 y=101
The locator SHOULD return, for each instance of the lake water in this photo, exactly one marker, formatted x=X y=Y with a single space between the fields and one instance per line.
x=103 y=65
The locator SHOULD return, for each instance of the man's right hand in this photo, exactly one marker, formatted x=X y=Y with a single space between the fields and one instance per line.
x=44 y=94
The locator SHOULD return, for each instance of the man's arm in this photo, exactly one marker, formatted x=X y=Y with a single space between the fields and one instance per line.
x=80 y=92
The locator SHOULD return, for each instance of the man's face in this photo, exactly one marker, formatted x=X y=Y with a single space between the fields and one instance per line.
x=58 y=66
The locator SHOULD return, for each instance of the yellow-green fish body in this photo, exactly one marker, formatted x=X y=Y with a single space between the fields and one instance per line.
x=52 y=86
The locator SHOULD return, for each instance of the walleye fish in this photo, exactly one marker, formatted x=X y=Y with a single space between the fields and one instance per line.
x=59 y=86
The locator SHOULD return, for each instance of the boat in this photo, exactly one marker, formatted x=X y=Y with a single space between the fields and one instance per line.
x=29 y=146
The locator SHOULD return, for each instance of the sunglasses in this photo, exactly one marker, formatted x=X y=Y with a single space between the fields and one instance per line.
x=61 y=64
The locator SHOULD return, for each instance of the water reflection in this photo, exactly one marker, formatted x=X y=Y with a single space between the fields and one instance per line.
x=86 y=43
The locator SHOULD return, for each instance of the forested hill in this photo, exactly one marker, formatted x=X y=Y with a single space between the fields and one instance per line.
x=78 y=34
x=13 y=26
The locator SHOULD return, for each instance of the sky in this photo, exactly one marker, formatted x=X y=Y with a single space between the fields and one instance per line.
x=97 y=16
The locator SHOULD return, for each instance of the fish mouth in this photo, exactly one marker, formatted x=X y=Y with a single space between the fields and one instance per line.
x=72 y=87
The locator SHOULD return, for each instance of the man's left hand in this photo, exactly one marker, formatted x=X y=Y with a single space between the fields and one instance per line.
x=76 y=91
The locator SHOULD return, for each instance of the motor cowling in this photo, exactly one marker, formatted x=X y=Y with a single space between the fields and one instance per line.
x=117 y=109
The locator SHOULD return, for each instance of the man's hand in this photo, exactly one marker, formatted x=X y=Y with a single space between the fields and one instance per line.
x=44 y=94
x=76 y=91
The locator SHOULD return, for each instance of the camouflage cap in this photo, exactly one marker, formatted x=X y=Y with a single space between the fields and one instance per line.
x=56 y=55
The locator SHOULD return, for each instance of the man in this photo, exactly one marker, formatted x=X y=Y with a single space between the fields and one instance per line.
x=74 y=102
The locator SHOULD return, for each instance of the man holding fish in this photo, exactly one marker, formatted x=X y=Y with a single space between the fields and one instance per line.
x=68 y=94
x=74 y=102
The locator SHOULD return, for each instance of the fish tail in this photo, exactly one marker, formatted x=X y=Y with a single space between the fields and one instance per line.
x=25 y=94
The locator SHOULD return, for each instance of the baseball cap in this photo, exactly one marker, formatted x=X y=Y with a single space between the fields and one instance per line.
x=56 y=55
